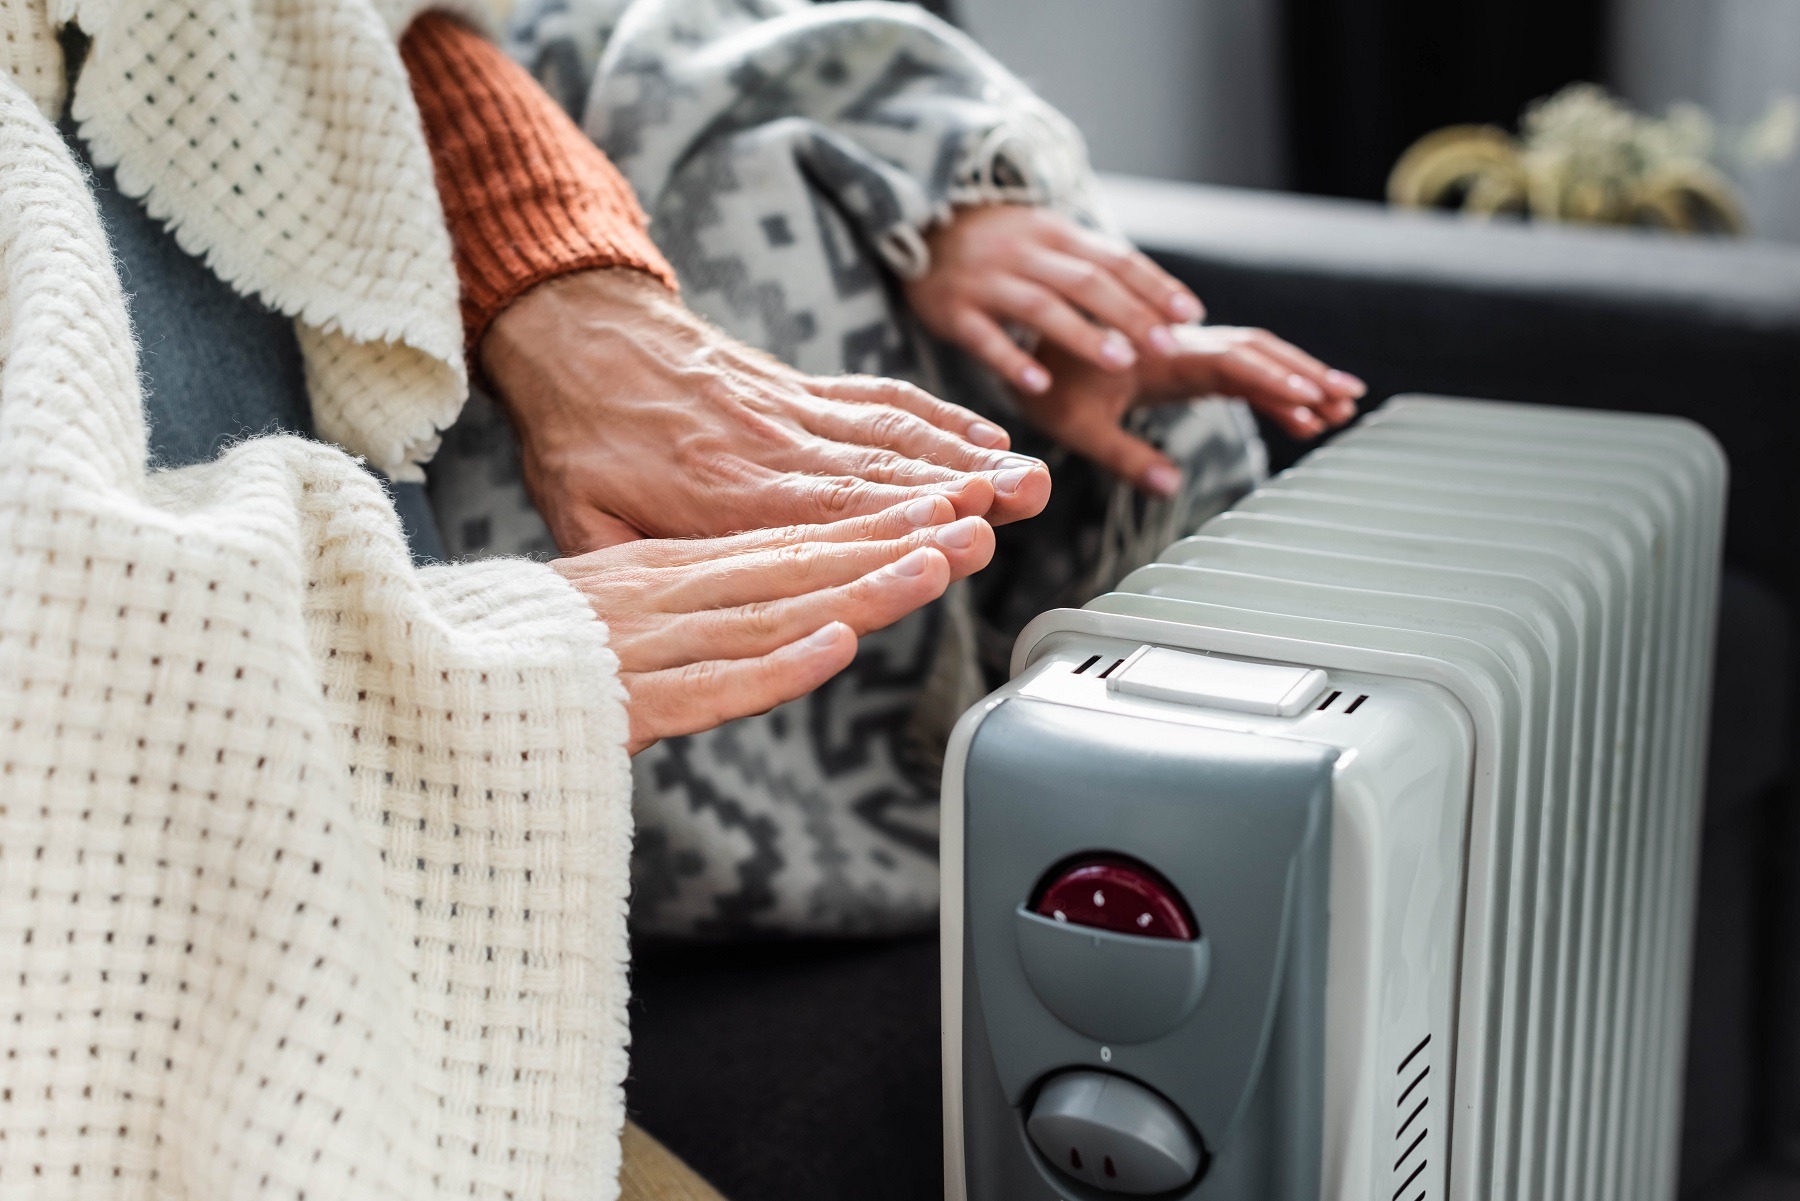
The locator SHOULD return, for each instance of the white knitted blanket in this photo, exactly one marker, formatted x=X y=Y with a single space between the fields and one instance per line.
x=312 y=867
x=280 y=143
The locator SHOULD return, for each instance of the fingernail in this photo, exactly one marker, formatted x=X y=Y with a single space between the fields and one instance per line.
x=923 y=511
x=1308 y=421
x=1304 y=388
x=1115 y=348
x=1347 y=382
x=1034 y=380
x=1162 y=340
x=959 y=535
x=1163 y=480
x=1184 y=307
x=913 y=564
x=1011 y=480
x=823 y=637
x=983 y=434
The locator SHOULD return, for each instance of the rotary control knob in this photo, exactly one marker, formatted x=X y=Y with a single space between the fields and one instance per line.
x=1111 y=892
x=1114 y=1134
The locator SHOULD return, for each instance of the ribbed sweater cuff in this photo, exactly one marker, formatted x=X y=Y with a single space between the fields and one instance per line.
x=527 y=196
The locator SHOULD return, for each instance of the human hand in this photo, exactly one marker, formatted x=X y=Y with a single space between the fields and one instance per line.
x=638 y=419
x=1084 y=407
x=711 y=629
x=1093 y=296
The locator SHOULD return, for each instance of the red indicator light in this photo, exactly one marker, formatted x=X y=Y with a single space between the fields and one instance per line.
x=1111 y=892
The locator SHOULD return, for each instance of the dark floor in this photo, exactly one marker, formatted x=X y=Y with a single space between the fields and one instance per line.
x=742 y=1055
x=1758 y=1184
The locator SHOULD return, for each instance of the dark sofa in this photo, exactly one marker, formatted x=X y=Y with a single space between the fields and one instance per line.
x=802 y=1072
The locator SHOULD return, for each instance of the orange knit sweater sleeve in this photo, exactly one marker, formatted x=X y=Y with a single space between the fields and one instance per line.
x=526 y=195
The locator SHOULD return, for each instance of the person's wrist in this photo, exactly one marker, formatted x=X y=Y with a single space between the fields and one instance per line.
x=533 y=337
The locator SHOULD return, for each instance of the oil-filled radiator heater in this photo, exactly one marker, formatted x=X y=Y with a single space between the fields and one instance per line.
x=1348 y=851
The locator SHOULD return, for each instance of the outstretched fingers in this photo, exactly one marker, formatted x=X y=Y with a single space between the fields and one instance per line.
x=896 y=431
x=1104 y=296
x=1282 y=387
x=1045 y=310
x=1283 y=382
x=1097 y=435
x=908 y=398
x=891 y=433
x=921 y=512
x=1340 y=389
x=698 y=696
x=1136 y=270
x=697 y=667
x=774 y=572
x=1289 y=399
x=712 y=629
x=868 y=602
x=979 y=334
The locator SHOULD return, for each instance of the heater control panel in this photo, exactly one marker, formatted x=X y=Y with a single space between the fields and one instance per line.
x=1146 y=950
x=1201 y=895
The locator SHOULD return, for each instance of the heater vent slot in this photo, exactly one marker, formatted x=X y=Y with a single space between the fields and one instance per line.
x=1331 y=700
x=1413 y=1080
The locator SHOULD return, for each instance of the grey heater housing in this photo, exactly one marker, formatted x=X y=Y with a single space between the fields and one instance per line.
x=1241 y=826
x=1416 y=732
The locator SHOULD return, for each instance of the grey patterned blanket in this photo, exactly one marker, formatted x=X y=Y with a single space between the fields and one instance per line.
x=791 y=158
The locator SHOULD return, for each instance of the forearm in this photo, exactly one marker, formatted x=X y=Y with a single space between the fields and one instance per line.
x=526 y=195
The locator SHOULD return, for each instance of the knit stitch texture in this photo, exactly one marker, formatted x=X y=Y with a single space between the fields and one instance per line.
x=280 y=143
x=527 y=196
x=312 y=867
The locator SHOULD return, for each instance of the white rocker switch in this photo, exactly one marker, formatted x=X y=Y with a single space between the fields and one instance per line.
x=1186 y=678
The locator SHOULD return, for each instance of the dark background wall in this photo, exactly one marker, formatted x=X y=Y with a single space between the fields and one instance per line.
x=1316 y=95
x=1367 y=77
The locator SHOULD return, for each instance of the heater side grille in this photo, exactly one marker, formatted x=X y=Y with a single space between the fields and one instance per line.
x=1412 y=1082
x=1557 y=571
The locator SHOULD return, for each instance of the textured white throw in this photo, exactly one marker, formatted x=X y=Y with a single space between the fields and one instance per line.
x=312 y=867
x=280 y=142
